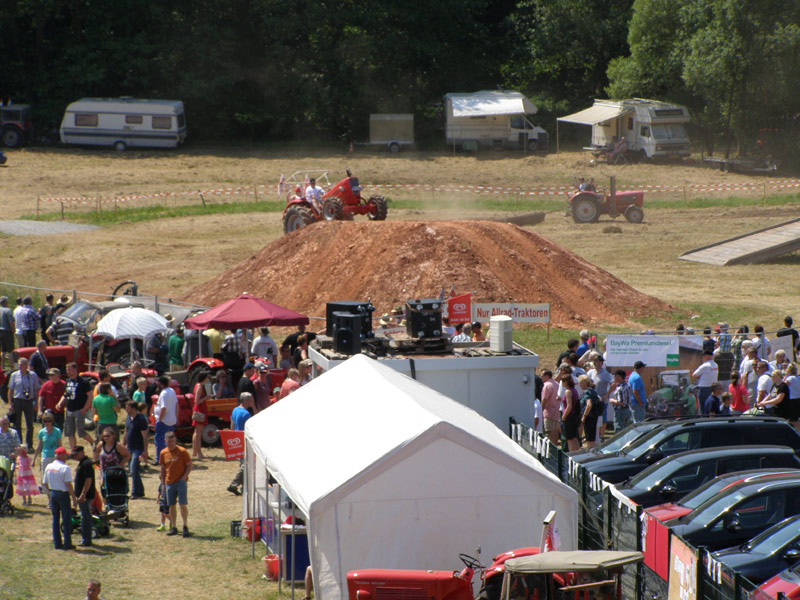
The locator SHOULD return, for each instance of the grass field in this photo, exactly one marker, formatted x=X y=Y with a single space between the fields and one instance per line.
x=170 y=244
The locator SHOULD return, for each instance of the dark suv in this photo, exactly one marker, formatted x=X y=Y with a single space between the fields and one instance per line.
x=671 y=438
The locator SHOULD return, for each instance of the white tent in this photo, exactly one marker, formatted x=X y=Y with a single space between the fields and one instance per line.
x=393 y=474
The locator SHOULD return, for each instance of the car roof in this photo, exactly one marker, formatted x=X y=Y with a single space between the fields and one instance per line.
x=701 y=454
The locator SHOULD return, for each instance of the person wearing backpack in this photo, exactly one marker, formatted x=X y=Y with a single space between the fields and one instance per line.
x=591 y=409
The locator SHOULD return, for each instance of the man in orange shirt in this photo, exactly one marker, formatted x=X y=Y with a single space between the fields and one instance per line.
x=176 y=464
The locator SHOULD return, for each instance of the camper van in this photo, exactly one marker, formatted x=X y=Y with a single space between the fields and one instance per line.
x=652 y=129
x=494 y=119
x=124 y=122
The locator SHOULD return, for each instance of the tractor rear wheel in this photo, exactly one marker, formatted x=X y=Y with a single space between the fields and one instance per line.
x=12 y=137
x=585 y=210
x=378 y=209
x=332 y=210
x=634 y=214
x=296 y=218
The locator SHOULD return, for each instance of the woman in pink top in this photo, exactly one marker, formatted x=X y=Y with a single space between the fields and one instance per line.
x=740 y=398
x=551 y=409
x=290 y=384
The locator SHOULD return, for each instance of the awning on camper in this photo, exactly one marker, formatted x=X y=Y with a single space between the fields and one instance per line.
x=490 y=103
x=595 y=114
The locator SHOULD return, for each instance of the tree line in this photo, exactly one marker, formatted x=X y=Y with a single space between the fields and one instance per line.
x=293 y=69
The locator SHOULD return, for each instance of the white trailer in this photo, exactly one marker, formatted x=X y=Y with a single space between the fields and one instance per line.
x=391 y=131
x=124 y=123
x=494 y=119
x=652 y=129
x=496 y=387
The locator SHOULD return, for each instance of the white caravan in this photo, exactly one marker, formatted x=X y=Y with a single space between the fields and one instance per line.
x=494 y=119
x=124 y=123
x=651 y=128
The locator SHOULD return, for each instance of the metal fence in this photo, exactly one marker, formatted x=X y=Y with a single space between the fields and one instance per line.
x=609 y=520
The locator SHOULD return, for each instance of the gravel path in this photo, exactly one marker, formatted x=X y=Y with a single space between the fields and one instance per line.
x=21 y=227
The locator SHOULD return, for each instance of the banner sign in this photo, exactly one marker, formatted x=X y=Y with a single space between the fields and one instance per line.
x=682 y=572
x=519 y=313
x=652 y=350
x=232 y=443
x=459 y=309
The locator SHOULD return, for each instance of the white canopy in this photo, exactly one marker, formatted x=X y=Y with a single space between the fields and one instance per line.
x=599 y=113
x=489 y=103
x=392 y=474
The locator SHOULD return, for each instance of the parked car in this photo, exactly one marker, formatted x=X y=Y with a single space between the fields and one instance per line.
x=618 y=442
x=767 y=554
x=671 y=478
x=739 y=513
x=669 y=510
x=674 y=437
x=786 y=582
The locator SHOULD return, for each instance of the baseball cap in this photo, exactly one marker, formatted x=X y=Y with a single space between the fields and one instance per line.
x=53 y=371
x=638 y=364
x=61 y=450
x=75 y=450
x=249 y=366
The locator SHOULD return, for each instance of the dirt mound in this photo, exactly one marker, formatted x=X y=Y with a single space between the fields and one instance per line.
x=392 y=261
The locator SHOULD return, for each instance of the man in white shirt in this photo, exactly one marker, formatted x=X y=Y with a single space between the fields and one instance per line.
x=765 y=384
x=58 y=481
x=166 y=413
x=704 y=375
x=314 y=194
x=747 y=370
x=265 y=347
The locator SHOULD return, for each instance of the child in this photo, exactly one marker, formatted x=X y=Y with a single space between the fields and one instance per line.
x=142 y=408
x=26 y=482
x=726 y=404
x=162 y=507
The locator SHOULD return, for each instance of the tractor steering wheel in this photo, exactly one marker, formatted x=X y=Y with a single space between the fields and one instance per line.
x=470 y=562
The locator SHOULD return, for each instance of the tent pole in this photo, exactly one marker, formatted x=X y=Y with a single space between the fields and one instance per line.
x=251 y=509
x=294 y=549
x=281 y=562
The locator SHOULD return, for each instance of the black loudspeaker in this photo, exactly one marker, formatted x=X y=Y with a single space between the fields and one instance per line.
x=346 y=333
x=424 y=318
x=361 y=309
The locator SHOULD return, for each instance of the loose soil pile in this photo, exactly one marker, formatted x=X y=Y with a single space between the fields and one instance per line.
x=391 y=262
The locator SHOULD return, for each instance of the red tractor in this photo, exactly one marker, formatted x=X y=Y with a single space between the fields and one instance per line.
x=341 y=202
x=587 y=205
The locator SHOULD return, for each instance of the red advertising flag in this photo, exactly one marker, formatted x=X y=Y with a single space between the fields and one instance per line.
x=232 y=443
x=459 y=309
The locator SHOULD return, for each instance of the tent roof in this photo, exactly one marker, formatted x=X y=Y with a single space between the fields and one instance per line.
x=244 y=312
x=363 y=413
x=489 y=103
x=598 y=113
x=576 y=560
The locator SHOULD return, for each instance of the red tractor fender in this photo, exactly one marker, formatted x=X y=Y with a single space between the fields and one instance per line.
x=208 y=362
x=294 y=201
x=596 y=196
x=499 y=561
x=635 y=197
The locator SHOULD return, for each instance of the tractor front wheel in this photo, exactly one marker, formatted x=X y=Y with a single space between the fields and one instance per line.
x=332 y=210
x=585 y=210
x=634 y=214
x=12 y=137
x=296 y=218
x=378 y=209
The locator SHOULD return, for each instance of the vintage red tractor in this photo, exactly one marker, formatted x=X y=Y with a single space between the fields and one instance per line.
x=586 y=206
x=341 y=202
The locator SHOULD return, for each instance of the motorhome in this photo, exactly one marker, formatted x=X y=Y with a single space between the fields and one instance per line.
x=494 y=119
x=652 y=129
x=124 y=122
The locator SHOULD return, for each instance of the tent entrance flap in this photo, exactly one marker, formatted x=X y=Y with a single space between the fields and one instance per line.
x=595 y=114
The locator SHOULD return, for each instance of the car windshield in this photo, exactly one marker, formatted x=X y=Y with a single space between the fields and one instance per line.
x=775 y=537
x=80 y=312
x=669 y=132
x=625 y=437
x=655 y=474
x=712 y=509
x=646 y=442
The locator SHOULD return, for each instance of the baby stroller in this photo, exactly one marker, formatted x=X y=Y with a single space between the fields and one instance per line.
x=115 y=492
x=6 y=486
x=99 y=524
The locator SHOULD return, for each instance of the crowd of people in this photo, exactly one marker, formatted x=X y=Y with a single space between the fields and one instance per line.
x=574 y=401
